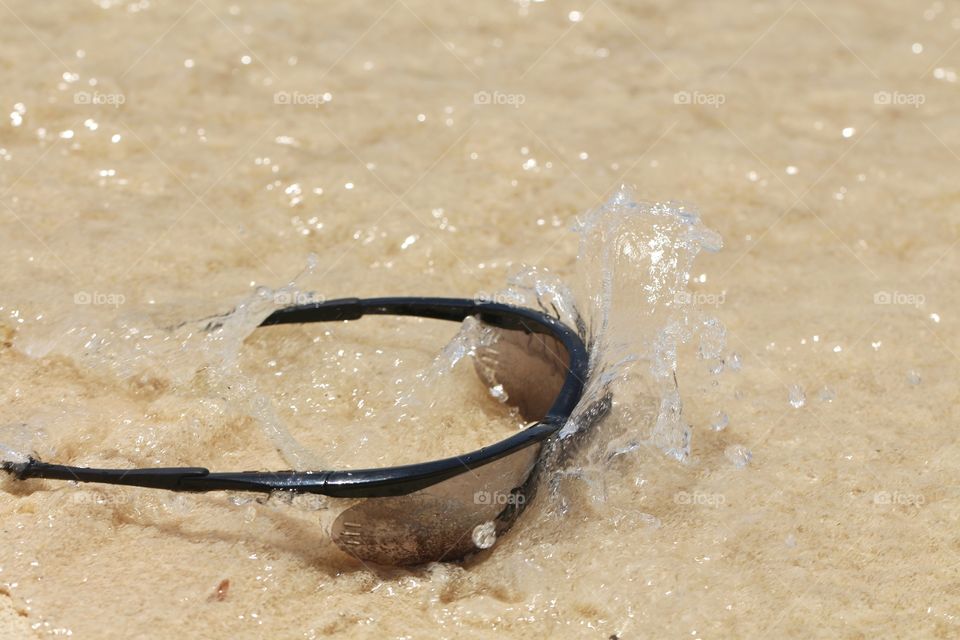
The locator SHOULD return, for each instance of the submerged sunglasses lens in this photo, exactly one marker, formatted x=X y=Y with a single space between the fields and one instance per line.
x=442 y=522
x=466 y=512
x=530 y=368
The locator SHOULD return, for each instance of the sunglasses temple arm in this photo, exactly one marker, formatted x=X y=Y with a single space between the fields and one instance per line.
x=173 y=478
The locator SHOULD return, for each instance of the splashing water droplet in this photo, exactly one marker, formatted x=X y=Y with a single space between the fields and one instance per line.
x=719 y=421
x=735 y=362
x=739 y=455
x=797 y=396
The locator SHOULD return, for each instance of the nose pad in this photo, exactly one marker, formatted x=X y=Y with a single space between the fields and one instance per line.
x=529 y=368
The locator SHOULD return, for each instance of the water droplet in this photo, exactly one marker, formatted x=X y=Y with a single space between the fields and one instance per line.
x=485 y=535
x=797 y=396
x=739 y=455
x=827 y=394
x=913 y=377
x=719 y=421
x=735 y=362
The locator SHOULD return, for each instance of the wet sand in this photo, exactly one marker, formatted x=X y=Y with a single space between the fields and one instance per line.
x=161 y=160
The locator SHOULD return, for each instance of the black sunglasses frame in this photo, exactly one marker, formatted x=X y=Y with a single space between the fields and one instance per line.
x=363 y=483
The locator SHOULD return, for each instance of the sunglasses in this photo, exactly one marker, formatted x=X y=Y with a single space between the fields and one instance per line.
x=429 y=511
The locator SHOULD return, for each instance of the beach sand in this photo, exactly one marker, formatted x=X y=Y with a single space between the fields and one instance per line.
x=161 y=160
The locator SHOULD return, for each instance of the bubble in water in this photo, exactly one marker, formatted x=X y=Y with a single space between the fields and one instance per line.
x=797 y=397
x=485 y=535
x=913 y=377
x=719 y=421
x=739 y=455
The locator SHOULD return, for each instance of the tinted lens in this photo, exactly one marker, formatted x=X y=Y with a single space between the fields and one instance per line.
x=531 y=368
x=442 y=522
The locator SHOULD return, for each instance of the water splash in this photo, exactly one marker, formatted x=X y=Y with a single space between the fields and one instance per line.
x=630 y=302
x=198 y=357
x=472 y=336
x=633 y=307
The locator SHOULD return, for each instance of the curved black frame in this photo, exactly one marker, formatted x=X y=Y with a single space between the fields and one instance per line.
x=362 y=483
